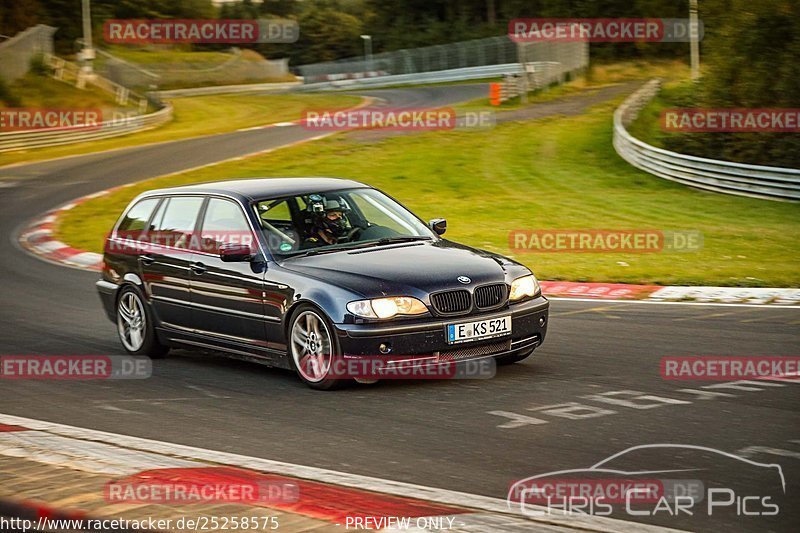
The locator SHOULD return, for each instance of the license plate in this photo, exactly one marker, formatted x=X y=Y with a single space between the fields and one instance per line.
x=480 y=329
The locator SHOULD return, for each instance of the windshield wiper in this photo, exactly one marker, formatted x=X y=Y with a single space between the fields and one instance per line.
x=403 y=238
x=312 y=251
x=318 y=251
x=357 y=245
x=390 y=240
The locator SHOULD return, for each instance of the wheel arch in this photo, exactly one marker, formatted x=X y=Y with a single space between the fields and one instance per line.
x=291 y=311
x=133 y=278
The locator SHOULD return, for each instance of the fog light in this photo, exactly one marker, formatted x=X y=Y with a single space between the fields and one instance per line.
x=542 y=320
x=385 y=348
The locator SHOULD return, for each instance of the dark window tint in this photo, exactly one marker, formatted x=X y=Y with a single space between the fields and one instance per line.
x=138 y=215
x=178 y=221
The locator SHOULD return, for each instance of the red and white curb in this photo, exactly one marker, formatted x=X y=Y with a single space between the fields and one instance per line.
x=672 y=294
x=336 y=497
x=38 y=239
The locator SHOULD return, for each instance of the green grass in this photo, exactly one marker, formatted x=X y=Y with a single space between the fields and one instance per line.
x=194 y=69
x=154 y=56
x=35 y=90
x=546 y=174
x=598 y=76
x=647 y=126
x=202 y=115
x=534 y=97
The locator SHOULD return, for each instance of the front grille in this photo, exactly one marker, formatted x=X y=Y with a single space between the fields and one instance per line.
x=460 y=354
x=451 y=302
x=490 y=295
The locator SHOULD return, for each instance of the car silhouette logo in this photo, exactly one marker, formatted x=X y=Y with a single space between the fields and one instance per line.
x=464 y=279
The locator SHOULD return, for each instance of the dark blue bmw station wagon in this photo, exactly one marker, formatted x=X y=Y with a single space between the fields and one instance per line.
x=302 y=273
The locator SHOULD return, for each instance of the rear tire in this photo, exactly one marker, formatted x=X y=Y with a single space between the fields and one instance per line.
x=135 y=325
x=514 y=358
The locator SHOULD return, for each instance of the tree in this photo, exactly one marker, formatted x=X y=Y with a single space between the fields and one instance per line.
x=750 y=59
x=16 y=16
x=327 y=34
x=278 y=8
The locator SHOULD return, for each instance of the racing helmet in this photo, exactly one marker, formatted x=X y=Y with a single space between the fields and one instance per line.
x=329 y=215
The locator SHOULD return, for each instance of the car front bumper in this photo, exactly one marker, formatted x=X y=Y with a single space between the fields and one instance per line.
x=427 y=339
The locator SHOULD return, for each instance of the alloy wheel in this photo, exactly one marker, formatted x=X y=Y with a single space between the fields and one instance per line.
x=311 y=346
x=131 y=321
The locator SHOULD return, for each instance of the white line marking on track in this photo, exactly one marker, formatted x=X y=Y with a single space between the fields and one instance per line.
x=712 y=315
x=118 y=410
x=753 y=450
x=161 y=400
x=205 y=391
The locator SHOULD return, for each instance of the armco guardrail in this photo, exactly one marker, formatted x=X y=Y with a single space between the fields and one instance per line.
x=771 y=183
x=441 y=76
x=23 y=140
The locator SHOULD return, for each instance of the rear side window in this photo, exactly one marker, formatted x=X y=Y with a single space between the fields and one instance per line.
x=224 y=223
x=136 y=218
x=178 y=221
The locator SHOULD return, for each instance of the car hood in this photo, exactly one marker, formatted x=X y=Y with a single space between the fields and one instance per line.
x=413 y=269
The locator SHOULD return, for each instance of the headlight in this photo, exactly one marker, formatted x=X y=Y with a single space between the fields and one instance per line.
x=387 y=307
x=524 y=287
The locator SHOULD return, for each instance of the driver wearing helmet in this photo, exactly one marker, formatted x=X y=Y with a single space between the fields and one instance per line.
x=329 y=223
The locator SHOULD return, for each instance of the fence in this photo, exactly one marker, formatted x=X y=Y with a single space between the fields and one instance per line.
x=71 y=73
x=240 y=67
x=439 y=76
x=68 y=72
x=17 y=52
x=534 y=64
x=771 y=183
x=467 y=56
x=537 y=75
x=123 y=72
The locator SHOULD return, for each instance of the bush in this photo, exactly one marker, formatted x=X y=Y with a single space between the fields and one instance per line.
x=750 y=62
x=7 y=96
x=38 y=66
x=771 y=149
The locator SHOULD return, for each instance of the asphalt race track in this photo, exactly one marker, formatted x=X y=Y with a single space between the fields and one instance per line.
x=601 y=359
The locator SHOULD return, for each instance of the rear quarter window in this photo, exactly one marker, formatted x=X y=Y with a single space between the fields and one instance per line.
x=137 y=216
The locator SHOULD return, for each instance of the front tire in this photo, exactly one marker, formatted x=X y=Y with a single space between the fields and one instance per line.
x=135 y=325
x=313 y=348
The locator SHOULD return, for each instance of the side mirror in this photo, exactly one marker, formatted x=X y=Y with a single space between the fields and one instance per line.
x=235 y=253
x=438 y=225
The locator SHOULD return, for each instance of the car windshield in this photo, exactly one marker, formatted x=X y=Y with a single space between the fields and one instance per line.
x=334 y=220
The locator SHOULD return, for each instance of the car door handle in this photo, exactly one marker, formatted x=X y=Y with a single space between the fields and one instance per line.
x=198 y=268
x=146 y=259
